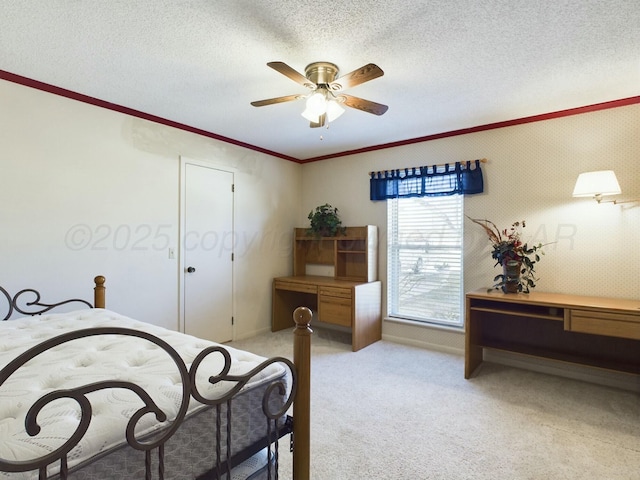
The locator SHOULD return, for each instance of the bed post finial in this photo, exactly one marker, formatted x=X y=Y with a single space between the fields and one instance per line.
x=99 y=292
x=301 y=407
x=302 y=316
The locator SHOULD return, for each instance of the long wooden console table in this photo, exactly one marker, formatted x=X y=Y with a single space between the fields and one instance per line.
x=594 y=331
x=355 y=305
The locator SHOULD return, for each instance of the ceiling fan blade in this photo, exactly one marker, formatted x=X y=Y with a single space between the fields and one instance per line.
x=362 y=104
x=361 y=75
x=321 y=121
x=271 y=101
x=294 y=75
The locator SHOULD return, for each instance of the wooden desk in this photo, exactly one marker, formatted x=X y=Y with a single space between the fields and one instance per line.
x=594 y=331
x=356 y=305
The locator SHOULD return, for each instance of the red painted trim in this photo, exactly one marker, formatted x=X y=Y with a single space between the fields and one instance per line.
x=490 y=126
x=12 y=77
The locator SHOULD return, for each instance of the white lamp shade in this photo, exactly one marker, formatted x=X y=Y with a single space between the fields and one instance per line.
x=317 y=103
x=593 y=184
x=334 y=110
x=311 y=116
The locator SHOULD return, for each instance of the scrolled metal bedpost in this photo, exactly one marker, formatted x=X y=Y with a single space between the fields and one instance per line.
x=99 y=292
x=301 y=406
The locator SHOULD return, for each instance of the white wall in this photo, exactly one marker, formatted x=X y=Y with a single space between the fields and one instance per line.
x=76 y=179
x=530 y=175
x=87 y=191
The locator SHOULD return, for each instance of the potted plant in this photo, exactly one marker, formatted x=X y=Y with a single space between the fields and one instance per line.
x=325 y=222
x=516 y=258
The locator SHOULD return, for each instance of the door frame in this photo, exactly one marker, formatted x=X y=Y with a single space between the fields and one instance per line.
x=184 y=161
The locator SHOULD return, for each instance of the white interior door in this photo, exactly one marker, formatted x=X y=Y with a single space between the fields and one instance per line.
x=207 y=253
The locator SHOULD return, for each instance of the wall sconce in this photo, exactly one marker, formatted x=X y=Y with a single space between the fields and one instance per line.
x=597 y=185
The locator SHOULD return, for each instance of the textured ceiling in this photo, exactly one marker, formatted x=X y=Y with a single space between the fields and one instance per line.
x=448 y=65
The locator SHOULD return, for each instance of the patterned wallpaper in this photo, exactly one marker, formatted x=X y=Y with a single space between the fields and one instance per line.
x=530 y=175
x=594 y=249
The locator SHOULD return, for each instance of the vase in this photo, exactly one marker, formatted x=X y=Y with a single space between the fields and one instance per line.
x=511 y=272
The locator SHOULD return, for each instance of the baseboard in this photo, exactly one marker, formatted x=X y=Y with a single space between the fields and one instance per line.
x=253 y=334
x=624 y=381
x=423 y=344
x=449 y=341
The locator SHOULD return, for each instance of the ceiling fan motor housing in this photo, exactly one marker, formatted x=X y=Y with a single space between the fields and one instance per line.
x=321 y=72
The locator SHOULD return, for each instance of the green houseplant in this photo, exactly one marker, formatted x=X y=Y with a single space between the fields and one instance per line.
x=325 y=222
x=517 y=259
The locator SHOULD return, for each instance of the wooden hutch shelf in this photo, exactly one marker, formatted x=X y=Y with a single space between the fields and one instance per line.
x=351 y=298
x=353 y=255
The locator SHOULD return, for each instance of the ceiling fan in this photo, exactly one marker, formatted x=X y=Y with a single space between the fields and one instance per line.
x=324 y=103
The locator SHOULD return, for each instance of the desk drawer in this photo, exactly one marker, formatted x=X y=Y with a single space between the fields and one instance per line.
x=604 y=323
x=335 y=310
x=335 y=292
x=296 y=287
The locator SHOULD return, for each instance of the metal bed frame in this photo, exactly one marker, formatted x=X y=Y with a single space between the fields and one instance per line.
x=153 y=446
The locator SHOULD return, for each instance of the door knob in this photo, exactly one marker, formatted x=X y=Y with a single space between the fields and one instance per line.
x=191 y=269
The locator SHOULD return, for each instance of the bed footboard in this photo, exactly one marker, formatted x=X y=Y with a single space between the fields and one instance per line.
x=151 y=440
x=79 y=393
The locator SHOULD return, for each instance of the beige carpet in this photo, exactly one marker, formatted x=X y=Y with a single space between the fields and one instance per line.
x=392 y=411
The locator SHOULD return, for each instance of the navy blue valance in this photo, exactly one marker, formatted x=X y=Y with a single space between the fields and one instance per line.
x=431 y=181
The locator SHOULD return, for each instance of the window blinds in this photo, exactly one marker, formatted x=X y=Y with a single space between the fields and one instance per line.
x=425 y=259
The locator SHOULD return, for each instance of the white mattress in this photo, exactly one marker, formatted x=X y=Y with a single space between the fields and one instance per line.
x=92 y=359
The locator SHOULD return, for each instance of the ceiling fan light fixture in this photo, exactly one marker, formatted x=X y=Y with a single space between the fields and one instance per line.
x=331 y=108
x=322 y=105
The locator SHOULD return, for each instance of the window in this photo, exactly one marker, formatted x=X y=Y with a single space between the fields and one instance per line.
x=425 y=259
